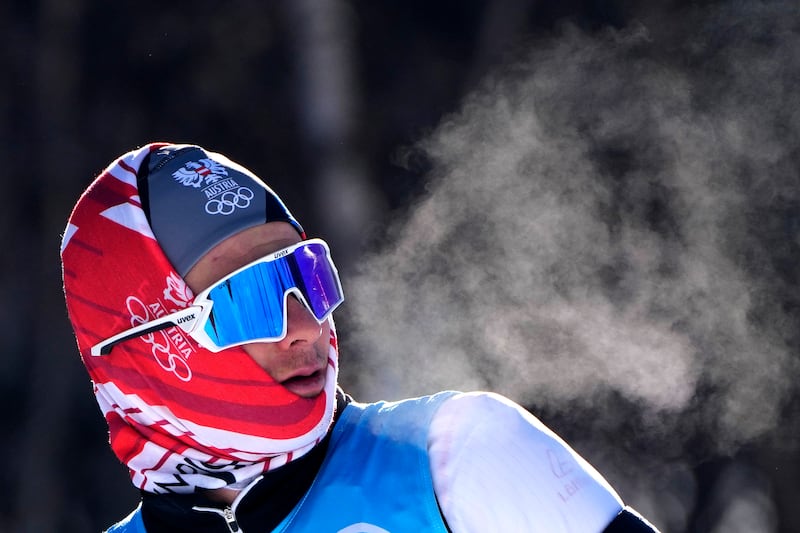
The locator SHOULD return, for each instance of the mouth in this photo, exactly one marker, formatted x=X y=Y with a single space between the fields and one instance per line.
x=306 y=386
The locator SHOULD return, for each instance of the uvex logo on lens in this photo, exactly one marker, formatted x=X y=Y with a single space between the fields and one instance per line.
x=170 y=347
x=222 y=193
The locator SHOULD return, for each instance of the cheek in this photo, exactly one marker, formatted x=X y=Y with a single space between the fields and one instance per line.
x=324 y=340
x=262 y=354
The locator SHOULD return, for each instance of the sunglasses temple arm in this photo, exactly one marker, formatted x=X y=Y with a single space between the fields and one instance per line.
x=185 y=319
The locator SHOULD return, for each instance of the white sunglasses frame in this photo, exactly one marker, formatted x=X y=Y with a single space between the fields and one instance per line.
x=192 y=317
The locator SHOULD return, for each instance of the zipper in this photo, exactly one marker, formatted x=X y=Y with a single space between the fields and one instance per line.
x=230 y=519
x=229 y=512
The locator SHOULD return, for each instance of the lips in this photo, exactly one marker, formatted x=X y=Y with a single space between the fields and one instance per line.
x=306 y=385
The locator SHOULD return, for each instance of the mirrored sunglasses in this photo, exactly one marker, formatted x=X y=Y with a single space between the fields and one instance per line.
x=249 y=305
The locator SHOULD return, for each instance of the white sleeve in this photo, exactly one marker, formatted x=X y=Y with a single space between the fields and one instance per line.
x=496 y=467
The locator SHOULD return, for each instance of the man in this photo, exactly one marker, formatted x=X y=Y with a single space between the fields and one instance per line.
x=204 y=317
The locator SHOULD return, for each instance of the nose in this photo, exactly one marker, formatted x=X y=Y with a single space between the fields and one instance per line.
x=302 y=330
x=301 y=326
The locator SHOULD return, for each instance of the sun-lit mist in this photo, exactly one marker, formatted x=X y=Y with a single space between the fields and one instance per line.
x=610 y=213
x=587 y=226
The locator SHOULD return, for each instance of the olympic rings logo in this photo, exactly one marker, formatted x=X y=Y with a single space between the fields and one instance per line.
x=159 y=341
x=229 y=201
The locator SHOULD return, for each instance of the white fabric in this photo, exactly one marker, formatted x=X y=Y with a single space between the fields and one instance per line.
x=496 y=467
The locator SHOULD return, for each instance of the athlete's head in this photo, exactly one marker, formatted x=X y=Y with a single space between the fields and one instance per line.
x=203 y=317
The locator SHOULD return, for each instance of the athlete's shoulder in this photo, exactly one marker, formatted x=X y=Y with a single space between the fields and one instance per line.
x=485 y=447
x=494 y=413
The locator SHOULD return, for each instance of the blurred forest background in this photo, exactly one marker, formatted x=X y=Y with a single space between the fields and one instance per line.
x=592 y=206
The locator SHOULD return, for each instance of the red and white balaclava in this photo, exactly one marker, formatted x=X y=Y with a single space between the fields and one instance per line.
x=179 y=416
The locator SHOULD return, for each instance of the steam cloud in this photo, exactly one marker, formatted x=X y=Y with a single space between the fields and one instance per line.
x=616 y=213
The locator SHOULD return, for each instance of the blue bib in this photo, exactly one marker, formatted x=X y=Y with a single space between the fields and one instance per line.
x=376 y=476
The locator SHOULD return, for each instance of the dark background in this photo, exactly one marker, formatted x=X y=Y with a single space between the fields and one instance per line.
x=326 y=101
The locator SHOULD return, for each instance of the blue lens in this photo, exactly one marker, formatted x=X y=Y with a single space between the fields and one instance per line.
x=249 y=305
